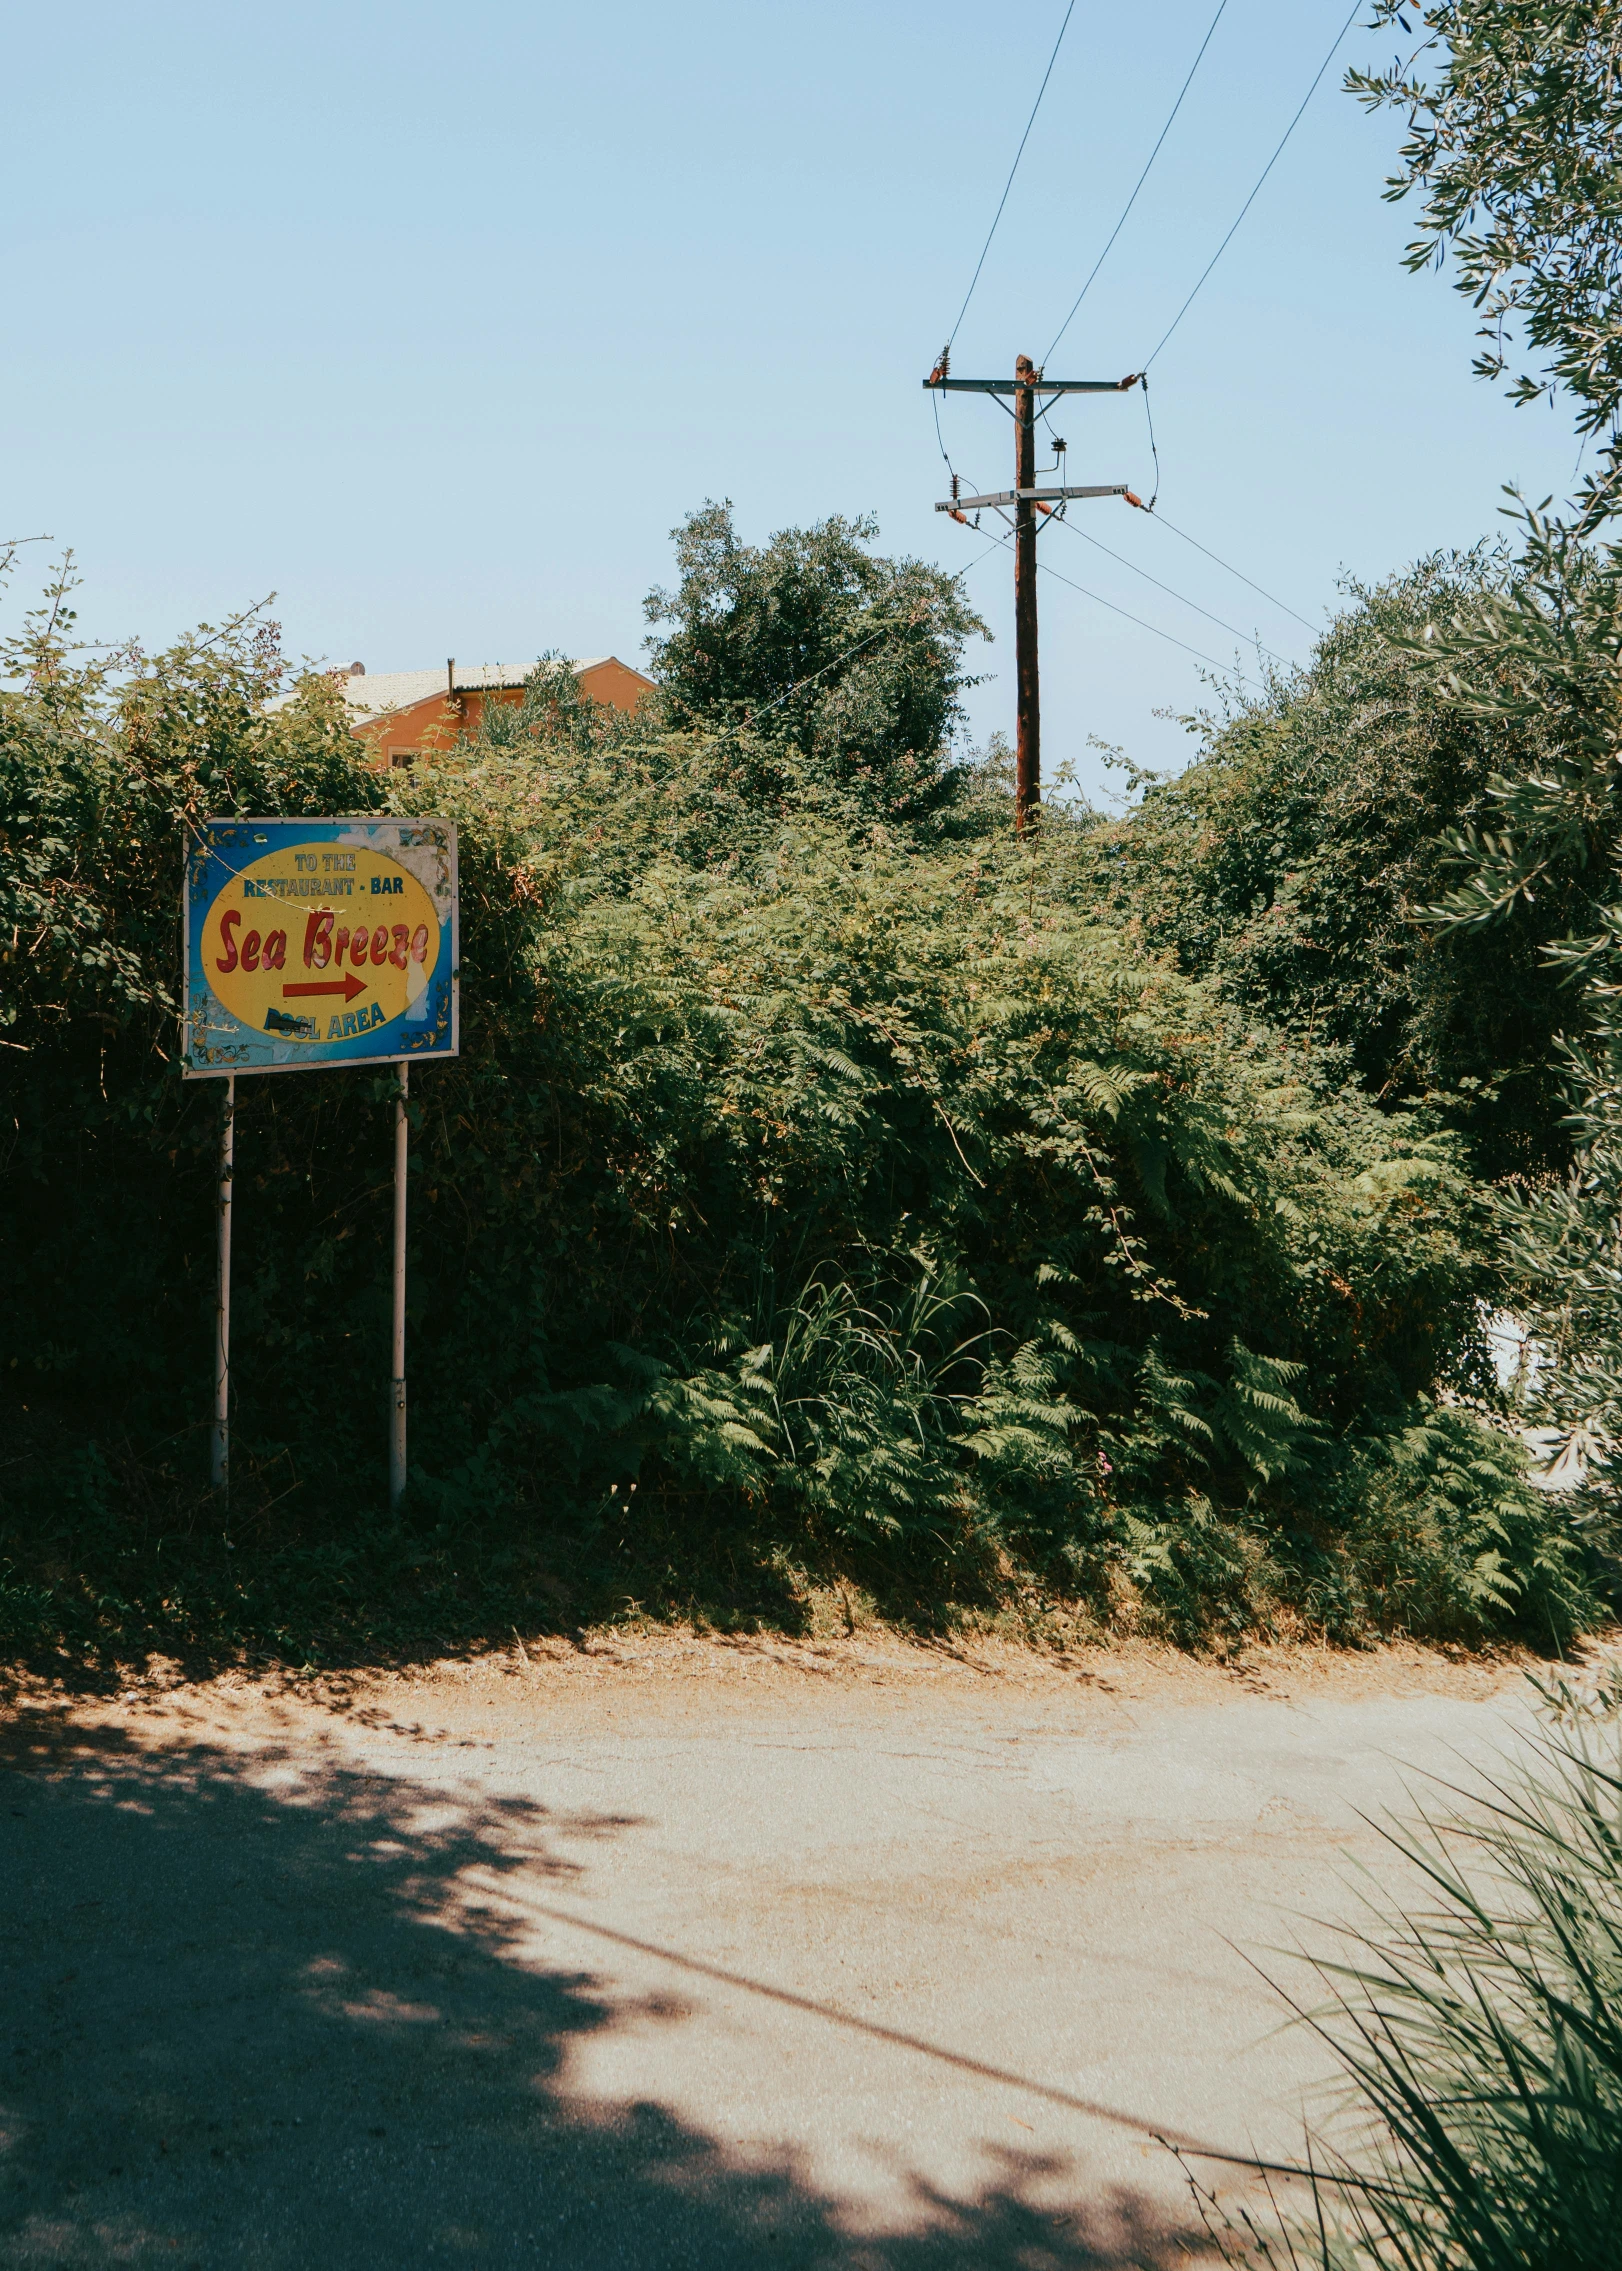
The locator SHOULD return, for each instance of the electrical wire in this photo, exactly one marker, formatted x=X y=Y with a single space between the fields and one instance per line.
x=1271 y=597
x=1160 y=519
x=1013 y=169
x=993 y=546
x=1154 y=446
x=940 y=441
x=1138 y=184
x=890 y=623
x=1256 y=192
x=1181 y=597
x=1199 y=286
x=940 y=438
x=1099 y=600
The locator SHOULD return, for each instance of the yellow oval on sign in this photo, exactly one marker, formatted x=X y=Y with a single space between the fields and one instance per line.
x=320 y=944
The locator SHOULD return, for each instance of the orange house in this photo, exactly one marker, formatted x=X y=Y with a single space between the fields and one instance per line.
x=407 y=713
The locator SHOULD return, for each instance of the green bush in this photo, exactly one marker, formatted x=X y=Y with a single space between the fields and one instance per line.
x=811 y=1192
x=1295 y=859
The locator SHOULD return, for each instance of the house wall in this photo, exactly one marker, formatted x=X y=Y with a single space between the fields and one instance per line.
x=442 y=719
x=615 y=682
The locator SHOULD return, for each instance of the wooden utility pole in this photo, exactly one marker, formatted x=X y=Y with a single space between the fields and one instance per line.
x=1027 y=500
x=1027 y=677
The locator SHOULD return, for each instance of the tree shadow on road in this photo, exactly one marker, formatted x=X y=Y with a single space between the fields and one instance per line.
x=252 y=2013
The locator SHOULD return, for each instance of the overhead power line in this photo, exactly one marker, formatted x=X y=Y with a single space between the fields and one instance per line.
x=1272 y=599
x=1138 y=184
x=1181 y=597
x=1099 y=600
x=1013 y=169
x=1256 y=192
x=995 y=545
x=889 y=623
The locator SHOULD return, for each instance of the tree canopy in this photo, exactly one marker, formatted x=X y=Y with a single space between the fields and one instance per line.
x=849 y=662
x=1296 y=861
x=1512 y=141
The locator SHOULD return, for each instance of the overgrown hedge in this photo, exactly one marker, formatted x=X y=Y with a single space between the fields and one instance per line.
x=1294 y=860
x=844 y=1187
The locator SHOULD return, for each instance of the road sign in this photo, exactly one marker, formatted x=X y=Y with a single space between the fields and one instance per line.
x=318 y=942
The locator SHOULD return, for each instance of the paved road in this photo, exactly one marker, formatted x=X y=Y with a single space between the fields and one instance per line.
x=868 y=1960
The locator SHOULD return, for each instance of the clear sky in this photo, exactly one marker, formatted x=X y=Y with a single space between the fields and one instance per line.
x=434 y=320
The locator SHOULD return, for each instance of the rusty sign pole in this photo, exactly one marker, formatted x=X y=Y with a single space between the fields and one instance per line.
x=1028 y=738
x=397 y=1389
x=220 y=1455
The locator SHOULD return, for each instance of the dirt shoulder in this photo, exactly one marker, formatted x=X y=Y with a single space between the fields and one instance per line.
x=690 y=1668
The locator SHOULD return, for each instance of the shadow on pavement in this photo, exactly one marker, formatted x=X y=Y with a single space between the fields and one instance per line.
x=249 y=2014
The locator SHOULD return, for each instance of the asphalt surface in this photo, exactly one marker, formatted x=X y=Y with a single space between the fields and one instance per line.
x=867 y=1959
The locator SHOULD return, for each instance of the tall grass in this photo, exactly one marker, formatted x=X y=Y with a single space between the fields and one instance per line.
x=1480 y=2030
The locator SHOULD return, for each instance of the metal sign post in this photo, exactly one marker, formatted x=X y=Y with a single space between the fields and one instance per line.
x=312 y=943
x=397 y=1419
x=220 y=1456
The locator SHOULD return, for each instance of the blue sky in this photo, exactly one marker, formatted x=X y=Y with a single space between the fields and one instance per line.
x=435 y=320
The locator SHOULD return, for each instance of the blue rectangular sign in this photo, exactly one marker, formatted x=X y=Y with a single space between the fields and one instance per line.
x=319 y=942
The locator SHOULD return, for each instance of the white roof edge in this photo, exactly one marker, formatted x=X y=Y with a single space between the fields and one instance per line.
x=377 y=694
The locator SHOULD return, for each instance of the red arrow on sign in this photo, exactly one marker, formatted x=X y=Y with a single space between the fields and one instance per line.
x=349 y=987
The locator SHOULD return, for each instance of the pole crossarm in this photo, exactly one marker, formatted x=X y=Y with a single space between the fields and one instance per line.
x=1036 y=385
x=1029 y=497
x=1030 y=505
